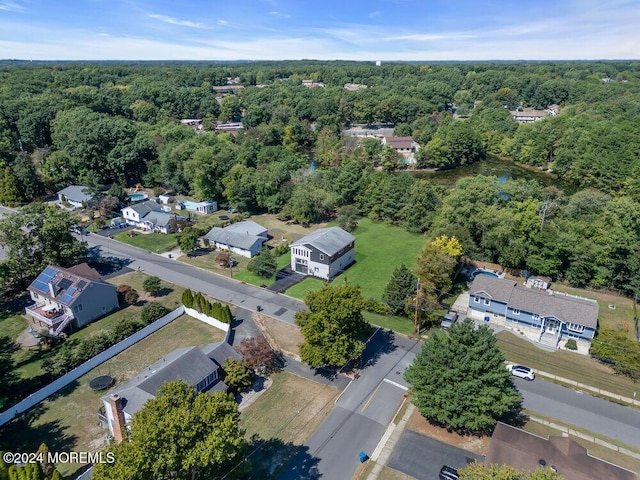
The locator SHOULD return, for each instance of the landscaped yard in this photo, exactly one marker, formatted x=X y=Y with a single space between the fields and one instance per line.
x=565 y=364
x=285 y=416
x=67 y=420
x=152 y=242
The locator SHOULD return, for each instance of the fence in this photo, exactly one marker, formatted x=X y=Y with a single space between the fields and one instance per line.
x=80 y=370
x=214 y=322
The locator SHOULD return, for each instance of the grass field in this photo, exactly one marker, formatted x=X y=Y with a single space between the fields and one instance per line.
x=152 y=242
x=284 y=430
x=620 y=317
x=67 y=420
x=246 y=276
x=397 y=324
x=565 y=364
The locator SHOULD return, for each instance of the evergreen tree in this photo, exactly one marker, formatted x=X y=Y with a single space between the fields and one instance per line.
x=401 y=286
x=459 y=380
x=264 y=264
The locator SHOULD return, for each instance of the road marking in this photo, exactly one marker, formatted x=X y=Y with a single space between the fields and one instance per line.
x=395 y=384
x=370 y=399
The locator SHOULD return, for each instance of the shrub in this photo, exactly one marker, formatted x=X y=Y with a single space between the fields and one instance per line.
x=151 y=285
x=236 y=374
x=152 y=311
x=377 y=307
x=132 y=297
x=571 y=344
x=187 y=298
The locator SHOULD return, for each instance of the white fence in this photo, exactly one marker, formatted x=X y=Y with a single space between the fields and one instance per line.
x=214 y=322
x=77 y=372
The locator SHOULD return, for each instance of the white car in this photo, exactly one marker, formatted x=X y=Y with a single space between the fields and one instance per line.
x=522 y=372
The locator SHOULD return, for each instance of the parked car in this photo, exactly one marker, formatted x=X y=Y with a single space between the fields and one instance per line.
x=522 y=372
x=448 y=320
x=448 y=473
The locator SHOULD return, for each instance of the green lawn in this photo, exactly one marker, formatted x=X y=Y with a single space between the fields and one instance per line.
x=572 y=366
x=67 y=420
x=395 y=323
x=152 y=242
x=380 y=249
x=12 y=324
x=246 y=276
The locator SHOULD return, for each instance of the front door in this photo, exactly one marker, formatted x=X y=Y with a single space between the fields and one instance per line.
x=552 y=325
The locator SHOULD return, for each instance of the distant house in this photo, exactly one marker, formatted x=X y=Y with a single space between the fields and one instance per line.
x=149 y=215
x=206 y=206
x=324 y=253
x=244 y=238
x=76 y=196
x=529 y=115
x=528 y=452
x=405 y=146
x=352 y=87
x=230 y=127
x=195 y=123
x=65 y=296
x=312 y=84
x=227 y=89
x=550 y=315
x=199 y=367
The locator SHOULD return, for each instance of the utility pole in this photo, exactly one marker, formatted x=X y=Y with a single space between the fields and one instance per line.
x=416 y=319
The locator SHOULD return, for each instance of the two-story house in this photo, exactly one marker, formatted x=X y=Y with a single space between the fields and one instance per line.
x=199 y=367
x=550 y=315
x=65 y=296
x=149 y=215
x=324 y=253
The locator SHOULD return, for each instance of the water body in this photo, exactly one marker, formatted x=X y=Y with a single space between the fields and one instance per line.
x=492 y=166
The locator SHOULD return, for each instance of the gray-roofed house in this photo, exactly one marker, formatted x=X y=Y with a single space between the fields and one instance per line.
x=324 y=253
x=76 y=196
x=66 y=296
x=149 y=215
x=199 y=367
x=550 y=315
x=528 y=452
x=244 y=238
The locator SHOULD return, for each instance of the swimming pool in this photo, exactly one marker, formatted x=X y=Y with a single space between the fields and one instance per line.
x=484 y=272
x=136 y=197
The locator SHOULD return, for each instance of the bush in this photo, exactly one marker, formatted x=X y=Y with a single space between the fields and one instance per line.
x=187 y=298
x=281 y=249
x=132 y=297
x=617 y=350
x=151 y=285
x=152 y=311
x=237 y=375
x=571 y=344
x=377 y=307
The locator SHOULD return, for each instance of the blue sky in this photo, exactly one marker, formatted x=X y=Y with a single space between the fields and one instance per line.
x=327 y=30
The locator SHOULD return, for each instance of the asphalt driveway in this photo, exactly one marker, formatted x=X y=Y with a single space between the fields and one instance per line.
x=422 y=457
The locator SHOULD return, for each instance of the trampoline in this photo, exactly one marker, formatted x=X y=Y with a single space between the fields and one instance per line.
x=101 y=383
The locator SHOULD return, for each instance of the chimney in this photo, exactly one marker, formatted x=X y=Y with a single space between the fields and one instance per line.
x=52 y=289
x=119 y=423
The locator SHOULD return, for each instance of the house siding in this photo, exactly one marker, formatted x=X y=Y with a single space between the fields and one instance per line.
x=255 y=249
x=97 y=300
x=494 y=306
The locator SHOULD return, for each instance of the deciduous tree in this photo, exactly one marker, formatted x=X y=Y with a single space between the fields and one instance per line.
x=333 y=327
x=264 y=264
x=180 y=435
x=151 y=285
x=237 y=374
x=257 y=353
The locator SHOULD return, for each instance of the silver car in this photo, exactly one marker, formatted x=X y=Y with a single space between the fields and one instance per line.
x=522 y=372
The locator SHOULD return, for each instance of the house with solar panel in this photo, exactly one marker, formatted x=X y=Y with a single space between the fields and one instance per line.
x=66 y=297
x=324 y=253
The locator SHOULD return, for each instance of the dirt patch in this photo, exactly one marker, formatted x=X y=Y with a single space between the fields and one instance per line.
x=478 y=445
x=27 y=340
x=282 y=336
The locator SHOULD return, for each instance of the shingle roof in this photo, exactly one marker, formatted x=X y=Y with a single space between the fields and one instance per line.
x=545 y=303
x=247 y=227
x=525 y=451
x=328 y=240
x=160 y=219
x=400 y=142
x=145 y=207
x=190 y=364
x=67 y=284
x=76 y=193
x=233 y=239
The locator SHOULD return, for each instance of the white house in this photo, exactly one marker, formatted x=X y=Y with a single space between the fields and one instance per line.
x=324 y=253
x=75 y=195
x=149 y=215
x=244 y=238
x=206 y=206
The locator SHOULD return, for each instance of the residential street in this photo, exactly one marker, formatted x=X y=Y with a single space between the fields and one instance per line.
x=225 y=289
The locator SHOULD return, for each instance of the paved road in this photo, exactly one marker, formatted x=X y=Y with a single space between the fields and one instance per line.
x=422 y=457
x=362 y=413
x=222 y=288
x=598 y=416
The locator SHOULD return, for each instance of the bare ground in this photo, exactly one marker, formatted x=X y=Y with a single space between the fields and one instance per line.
x=280 y=335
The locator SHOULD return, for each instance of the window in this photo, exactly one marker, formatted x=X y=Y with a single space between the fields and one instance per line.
x=35 y=295
x=487 y=301
x=476 y=300
x=516 y=311
x=536 y=317
x=321 y=256
x=574 y=327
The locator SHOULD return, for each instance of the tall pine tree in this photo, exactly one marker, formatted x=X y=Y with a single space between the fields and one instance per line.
x=401 y=286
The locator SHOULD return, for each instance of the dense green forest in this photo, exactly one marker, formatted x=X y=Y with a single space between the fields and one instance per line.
x=118 y=123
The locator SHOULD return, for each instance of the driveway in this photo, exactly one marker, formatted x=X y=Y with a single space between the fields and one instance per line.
x=285 y=278
x=422 y=457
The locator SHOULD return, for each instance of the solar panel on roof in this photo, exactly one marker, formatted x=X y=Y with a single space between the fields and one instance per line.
x=40 y=286
x=81 y=284
x=64 y=283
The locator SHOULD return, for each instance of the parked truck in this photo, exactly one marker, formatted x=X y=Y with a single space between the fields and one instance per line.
x=448 y=320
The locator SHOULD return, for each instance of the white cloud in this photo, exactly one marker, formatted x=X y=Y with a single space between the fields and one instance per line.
x=428 y=37
x=9 y=6
x=176 y=21
x=279 y=14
